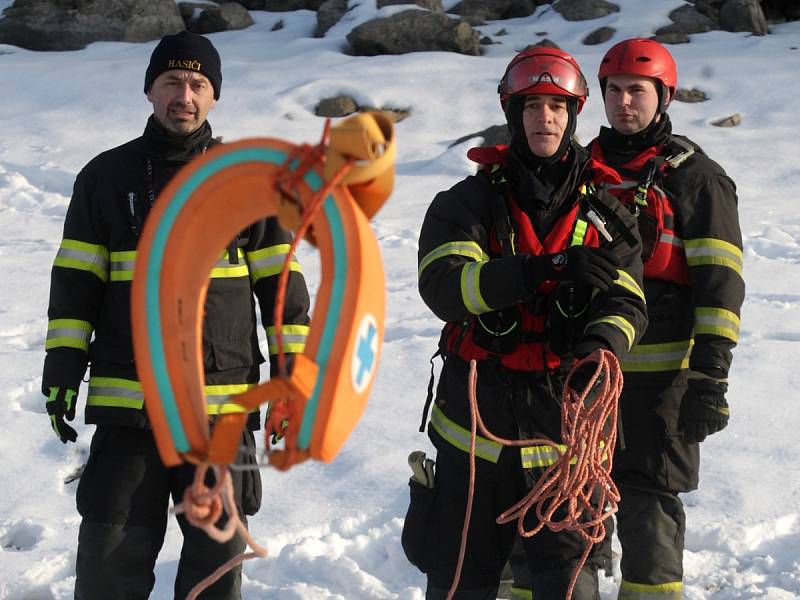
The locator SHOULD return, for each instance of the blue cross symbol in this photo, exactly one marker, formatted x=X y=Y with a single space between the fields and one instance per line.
x=365 y=354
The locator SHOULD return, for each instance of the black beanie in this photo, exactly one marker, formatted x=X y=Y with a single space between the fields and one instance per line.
x=189 y=51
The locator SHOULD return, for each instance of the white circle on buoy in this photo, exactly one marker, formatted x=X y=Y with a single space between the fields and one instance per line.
x=364 y=360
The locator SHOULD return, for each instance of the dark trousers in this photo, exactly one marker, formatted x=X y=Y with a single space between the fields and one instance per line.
x=123 y=497
x=432 y=535
x=652 y=468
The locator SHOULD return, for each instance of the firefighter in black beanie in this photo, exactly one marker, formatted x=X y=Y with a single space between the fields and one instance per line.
x=124 y=491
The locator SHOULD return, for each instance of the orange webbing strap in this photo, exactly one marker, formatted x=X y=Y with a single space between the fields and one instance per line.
x=580 y=479
x=203 y=507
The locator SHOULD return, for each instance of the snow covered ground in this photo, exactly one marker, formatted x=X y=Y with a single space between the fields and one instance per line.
x=333 y=531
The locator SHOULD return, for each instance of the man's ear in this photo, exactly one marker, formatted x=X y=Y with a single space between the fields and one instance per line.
x=149 y=94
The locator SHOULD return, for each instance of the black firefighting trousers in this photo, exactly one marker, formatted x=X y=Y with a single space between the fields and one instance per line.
x=123 y=497
x=434 y=522
x=652 y=468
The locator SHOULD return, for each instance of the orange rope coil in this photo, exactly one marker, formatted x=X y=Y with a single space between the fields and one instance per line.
x=582 y=470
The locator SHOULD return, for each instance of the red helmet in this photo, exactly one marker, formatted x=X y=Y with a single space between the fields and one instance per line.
x=543 y=70
x=646 y=58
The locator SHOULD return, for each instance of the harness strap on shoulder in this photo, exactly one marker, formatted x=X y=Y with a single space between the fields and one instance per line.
x=500 y=216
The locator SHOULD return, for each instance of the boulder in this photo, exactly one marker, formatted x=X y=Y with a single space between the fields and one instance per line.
x=743 y=15
x=328 y=15
x=731 y=121
x=414 y=31
x=342 y=106
x=59 y=25
x=584 y=10
x=599 y=36
x=492 y=136
x=228 y=16
x=435 y=5
x=493 y=10
x=281 y=5
x=692 y=95
x=687 y=19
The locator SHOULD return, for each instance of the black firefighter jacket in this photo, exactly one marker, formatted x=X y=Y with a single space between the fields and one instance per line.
x=456 y=238
x=694 y=327
x=89 y=311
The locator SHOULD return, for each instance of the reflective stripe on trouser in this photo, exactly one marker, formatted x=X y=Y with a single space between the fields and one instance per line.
x=642 y=591
x=521 y=594
x=116 y=392
x=650 y=527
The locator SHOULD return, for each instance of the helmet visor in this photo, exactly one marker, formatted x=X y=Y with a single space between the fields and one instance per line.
x=545 y=74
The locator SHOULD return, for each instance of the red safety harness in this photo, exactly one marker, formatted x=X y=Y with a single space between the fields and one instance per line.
x=641 y=190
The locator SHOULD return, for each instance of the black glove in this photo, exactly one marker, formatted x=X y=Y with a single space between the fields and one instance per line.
x=61 y=404
x=704 y=409
x=595 y=266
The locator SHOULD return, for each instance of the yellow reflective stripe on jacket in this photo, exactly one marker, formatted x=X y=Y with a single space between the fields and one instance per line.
x=621 y=323
x=521 y=594
x=73 y=254
x=122 y=264
x=293 y=338
x=629 y=283
x=218 y=396
x=647 y=358
x=710 y=251
x=471 y=288
x=224 y=268
x=541 y=456
x=467 y=249
x=716 y=321
x=268 y=262
x=68 y=333
x=650 y=591
x=115 y=392
x=579 y=233
x=544 y=456
x=460 y=437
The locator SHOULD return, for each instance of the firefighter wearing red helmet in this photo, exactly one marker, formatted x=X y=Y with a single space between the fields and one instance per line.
x=497 y=251
x=676 y=378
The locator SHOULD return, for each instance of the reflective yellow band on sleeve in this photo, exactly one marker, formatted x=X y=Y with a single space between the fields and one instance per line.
x=621 y=323
x=650 y=591
x=268 y=262
x=649 y=358
x=469 y=250
x=710 y=251
x=471 y=288
x=716 y=321
x=629 y=283
x=93 y=258
x=68 y=333
x=293 y=338
x=460 y=437
x=122 y=265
